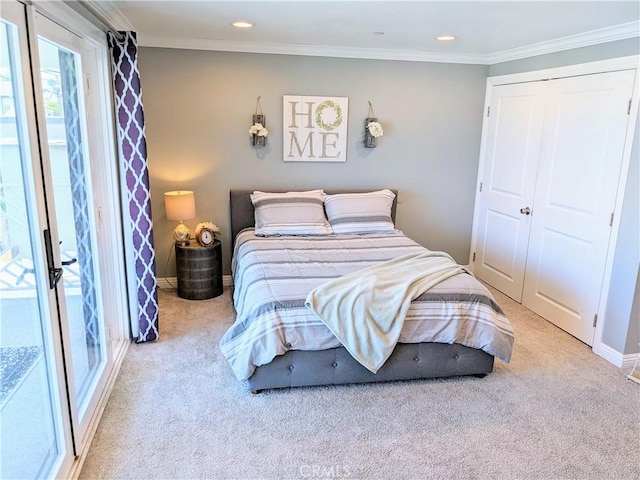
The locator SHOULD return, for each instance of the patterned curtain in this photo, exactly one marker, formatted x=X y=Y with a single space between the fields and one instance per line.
x=136 y=195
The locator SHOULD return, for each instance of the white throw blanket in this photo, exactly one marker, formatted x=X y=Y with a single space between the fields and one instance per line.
x=366 y=309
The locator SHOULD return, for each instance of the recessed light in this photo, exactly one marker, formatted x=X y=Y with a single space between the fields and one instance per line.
x=445 y=38
x=242 y=24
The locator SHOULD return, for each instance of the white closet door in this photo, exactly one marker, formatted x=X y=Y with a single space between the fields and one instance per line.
x=583 y=140
x=511 y=159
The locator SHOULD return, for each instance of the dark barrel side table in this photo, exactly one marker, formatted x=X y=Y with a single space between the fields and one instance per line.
x=199 y=270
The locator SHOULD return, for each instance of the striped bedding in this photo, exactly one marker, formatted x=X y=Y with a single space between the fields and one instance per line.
x=272 y=277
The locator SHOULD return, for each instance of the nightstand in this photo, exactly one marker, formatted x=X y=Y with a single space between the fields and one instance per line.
x=199 y=270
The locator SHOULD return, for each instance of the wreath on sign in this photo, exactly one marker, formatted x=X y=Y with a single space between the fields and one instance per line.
x=328 y=126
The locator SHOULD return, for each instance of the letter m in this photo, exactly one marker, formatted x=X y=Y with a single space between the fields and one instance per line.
x=294 y=141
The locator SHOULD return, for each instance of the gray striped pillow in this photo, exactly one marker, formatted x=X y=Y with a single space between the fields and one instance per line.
x=291 y=213
x=360 y=212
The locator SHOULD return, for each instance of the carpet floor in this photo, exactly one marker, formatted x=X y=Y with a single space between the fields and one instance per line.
x=176 y=411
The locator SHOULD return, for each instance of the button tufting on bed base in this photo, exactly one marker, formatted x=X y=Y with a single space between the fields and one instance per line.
x=336 y=366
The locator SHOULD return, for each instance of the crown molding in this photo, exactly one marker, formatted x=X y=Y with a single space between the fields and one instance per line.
x=109 y=11
x=603 y=35
x=307 y=50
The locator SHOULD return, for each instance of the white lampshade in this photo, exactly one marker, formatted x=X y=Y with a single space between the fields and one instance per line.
x=180 y=205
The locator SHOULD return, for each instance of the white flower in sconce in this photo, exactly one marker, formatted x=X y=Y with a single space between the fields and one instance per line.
x=258 y=129
x=375 y=129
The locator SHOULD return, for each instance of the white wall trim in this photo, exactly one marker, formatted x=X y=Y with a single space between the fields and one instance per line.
x=309 y=50
x=617 y=212
x=171 y=283
x=619 y=32
x=618 y=359
x=629 y=360
x=60 y=13
x=109 y=10
x=167 y=283
x=603 y=35
x=600 y=66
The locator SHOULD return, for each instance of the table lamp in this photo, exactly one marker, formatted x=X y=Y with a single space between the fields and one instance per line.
x=180 y=205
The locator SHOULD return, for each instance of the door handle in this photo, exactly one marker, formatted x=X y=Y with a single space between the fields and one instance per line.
x=66 y=263
x=55 y=274
x=525 y=211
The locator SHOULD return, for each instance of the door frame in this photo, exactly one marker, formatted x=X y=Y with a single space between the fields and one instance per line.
x=603 y=66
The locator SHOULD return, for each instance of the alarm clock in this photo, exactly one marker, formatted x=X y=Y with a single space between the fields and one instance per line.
x=205 y=233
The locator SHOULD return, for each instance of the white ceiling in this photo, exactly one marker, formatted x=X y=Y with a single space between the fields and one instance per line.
x=487 y=32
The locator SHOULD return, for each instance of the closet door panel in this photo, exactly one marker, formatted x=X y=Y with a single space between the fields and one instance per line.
x=580 y=158
x=513 y=142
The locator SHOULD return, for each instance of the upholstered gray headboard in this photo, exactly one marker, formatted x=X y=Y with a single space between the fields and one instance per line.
x=242 y=213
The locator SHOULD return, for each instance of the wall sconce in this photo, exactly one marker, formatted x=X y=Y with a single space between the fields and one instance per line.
x=372 y=129
x=258 y=131
x=180 y=205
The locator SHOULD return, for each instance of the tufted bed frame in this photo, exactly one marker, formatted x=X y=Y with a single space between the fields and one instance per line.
x=336 y=366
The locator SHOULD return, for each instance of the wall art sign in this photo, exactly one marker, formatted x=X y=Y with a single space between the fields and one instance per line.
x=314 y=128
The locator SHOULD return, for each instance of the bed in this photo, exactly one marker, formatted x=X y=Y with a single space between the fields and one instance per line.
x=276 y=342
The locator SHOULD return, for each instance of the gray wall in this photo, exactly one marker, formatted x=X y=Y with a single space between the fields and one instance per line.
x=198 y=108
x=621 y=330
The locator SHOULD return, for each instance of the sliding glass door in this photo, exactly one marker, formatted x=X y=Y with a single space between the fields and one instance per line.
x=70 y=209
x=34 y=436
x=56 y=177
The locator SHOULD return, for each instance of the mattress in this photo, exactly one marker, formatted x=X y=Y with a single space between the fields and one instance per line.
x=273 y=275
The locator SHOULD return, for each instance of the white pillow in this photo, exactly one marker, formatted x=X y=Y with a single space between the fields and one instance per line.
x=291 y=213
x=360 y=212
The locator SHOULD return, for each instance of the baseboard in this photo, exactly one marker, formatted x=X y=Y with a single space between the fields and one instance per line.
x=613 y=356
x=167 y=283
x=629 y=360
x=172 y=282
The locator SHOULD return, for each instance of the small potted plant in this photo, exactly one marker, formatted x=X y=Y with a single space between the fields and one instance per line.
x=372 y=130
x=258 y=134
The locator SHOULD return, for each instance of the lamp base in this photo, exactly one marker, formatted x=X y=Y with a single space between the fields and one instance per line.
x=181 y=234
